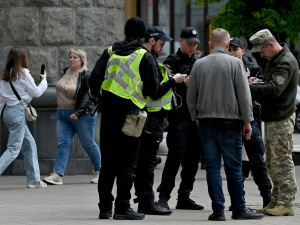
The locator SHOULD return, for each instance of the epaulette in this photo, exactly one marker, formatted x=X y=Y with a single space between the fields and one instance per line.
x=168 y=69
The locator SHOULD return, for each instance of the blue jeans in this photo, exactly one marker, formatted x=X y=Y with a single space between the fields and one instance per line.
x=217 y=142
x=20 y=140
x=66 y=129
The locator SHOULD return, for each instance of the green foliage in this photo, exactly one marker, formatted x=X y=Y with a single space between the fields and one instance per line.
x=246 y=17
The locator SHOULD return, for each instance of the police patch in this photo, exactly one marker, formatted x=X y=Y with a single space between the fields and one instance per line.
x=280 y=80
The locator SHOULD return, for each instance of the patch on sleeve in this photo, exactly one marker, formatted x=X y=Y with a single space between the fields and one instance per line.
x=280 y=80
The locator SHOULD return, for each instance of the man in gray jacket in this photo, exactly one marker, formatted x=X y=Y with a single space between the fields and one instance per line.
x=219 y=100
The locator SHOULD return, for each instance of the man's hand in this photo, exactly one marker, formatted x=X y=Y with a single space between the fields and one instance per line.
x=247 y=72
x=179 y=78
x=186 y=81
x=247 y=130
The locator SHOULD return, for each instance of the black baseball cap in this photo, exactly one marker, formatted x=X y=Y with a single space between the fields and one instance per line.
x=236 y=42
x=190 y=34
x=156 y=31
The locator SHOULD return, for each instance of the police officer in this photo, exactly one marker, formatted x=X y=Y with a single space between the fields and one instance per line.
x=126 y=73
x=157 y=106
x=182 y=138
x=254 y=146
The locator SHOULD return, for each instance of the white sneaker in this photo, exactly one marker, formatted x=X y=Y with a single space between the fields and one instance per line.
x=39 y=184
x=53 y=179
x=96 y=177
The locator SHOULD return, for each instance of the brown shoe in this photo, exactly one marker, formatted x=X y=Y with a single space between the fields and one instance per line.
x=263 y=210
x=281 y=210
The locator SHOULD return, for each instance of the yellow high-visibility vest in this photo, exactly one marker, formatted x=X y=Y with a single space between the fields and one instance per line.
x=123 y=78
x=163 y=102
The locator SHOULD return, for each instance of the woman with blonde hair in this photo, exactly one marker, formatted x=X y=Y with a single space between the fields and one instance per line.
x=72 y=117
x=17 y=76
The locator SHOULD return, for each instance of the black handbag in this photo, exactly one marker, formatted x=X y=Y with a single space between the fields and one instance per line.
x=93 y=104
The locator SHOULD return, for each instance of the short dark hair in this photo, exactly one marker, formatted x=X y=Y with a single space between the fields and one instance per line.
x=199 y=47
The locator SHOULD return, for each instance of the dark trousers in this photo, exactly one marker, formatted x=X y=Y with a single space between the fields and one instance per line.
x=255 y=151
x=119 y=154
x=184 y=148
x=150 y=140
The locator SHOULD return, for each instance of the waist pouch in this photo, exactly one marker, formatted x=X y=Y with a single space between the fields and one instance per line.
x=256 y=111
x=134 y=124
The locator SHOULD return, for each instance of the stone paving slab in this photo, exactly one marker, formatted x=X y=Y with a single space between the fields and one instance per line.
x=75 y=202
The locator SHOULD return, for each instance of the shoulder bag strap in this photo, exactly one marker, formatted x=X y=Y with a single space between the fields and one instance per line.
x=14 y=90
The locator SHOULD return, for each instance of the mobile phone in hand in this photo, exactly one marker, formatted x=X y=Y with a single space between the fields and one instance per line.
x=42 y=69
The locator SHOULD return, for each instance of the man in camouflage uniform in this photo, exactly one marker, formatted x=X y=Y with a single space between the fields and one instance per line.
x=277 y=95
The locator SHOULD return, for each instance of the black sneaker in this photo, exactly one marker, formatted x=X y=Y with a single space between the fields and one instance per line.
x=153 y=209
x=247 y=214
x=105 y=214
x=188 y=203
x=163 y=203
x=128 y=215
x=215 y=217
x=230 y=208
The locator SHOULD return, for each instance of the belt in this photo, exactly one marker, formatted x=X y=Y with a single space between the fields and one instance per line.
x=221 y=121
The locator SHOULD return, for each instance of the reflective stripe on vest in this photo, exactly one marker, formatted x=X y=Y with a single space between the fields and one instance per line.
x=164 y=101
x=123 y=78
x=110 y=51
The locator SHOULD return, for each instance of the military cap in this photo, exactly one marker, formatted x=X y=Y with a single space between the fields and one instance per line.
x=259 y=39
x=190 y=34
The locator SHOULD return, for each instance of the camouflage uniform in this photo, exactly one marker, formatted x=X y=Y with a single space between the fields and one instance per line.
x=279 y=162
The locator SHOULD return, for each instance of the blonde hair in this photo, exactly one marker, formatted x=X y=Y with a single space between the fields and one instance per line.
x=219 y=38
x=82 y=55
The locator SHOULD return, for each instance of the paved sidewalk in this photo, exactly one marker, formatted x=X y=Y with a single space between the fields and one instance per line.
x=75 y=202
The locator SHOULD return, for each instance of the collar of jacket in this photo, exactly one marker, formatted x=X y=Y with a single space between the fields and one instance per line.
x=220 y=50
x=185 y=57
x=128 y=46
x=65 y=70
x=276 y=58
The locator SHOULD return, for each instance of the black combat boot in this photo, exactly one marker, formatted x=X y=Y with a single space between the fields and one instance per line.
x=187 y=203
x=153 y=209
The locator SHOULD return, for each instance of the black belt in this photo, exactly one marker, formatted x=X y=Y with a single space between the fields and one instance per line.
x=221 y=120
x=228 y=124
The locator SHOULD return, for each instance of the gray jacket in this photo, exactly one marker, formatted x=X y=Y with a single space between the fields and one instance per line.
x=218 y=88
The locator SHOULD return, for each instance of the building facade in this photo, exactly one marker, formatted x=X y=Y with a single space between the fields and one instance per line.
x=47 y=29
